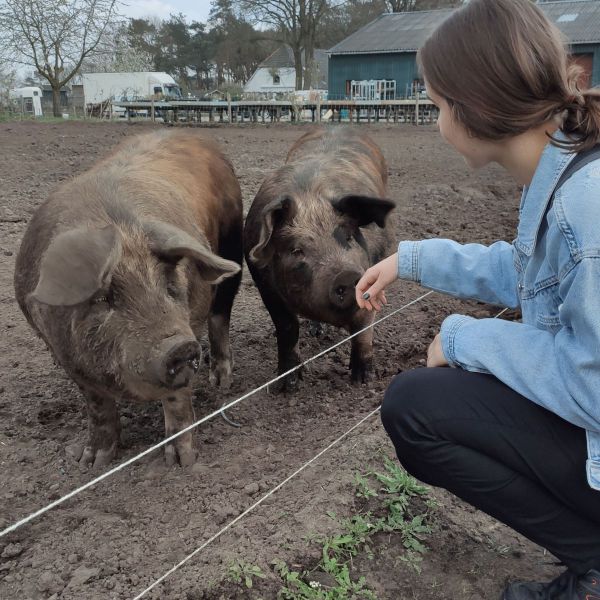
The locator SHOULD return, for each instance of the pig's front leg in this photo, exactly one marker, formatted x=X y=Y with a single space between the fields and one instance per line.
x=221 y=360
x=287 y=330
x=104 y=430
x=179 y=413
x=361 y=355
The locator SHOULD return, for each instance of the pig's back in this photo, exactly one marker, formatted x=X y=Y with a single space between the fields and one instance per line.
x=176 y=177
x=340 y=144
x=168 y=176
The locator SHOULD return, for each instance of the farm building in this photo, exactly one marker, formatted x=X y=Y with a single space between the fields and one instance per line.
x=47 y=95
x=383 y=53
x=277 y=74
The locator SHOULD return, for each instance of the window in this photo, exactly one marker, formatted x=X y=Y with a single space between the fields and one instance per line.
x=172 y=91
x=157 y=89
x=276 y=80
x=567 y=18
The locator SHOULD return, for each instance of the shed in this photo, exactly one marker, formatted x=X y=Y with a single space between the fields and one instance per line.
x=47 y=95
x=277 y=73
x=386 y=48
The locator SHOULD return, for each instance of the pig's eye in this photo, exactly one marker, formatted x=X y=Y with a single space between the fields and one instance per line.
x=103 y=298
x=172 y=290
x=297 y=252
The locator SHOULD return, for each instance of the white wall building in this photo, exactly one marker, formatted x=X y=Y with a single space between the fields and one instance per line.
x=28 y=100
x=277 y=74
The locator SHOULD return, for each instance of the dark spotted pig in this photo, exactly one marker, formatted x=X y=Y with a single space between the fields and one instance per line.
x=120 y=269
x=315 y=226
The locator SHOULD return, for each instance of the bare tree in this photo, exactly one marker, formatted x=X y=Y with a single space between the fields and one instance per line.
x=400 y=5
x=410 y=5
x=115 y=54
x=311 y=18
x=295 y=23
x=8 y=79
x=55 y=36
x=284 y=17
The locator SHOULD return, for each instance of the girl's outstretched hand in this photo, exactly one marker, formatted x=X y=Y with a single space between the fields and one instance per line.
x=370 y=290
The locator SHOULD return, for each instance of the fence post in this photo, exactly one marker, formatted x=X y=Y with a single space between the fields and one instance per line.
x=229 y=107
x=152 y=114
x=417 y=107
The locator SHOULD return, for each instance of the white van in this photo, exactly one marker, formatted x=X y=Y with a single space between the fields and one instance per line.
x=105 y=88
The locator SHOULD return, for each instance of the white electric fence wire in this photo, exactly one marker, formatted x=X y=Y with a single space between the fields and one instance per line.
x=257 y=503
x=169 y=439
x=267 y=495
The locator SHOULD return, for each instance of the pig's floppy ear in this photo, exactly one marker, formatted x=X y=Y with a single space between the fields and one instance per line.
x=274 y=214
x=172 y=243
x=77 y=264
x=364 y=209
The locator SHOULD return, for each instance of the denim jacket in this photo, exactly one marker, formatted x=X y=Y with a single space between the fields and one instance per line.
x=552 y=272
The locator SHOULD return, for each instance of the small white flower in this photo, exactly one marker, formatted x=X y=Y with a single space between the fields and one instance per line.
x=314 y=584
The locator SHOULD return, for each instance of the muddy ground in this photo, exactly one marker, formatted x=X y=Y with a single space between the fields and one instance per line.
x=116 y=538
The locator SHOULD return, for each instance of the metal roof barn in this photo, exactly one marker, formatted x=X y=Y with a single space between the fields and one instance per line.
x=386 y=48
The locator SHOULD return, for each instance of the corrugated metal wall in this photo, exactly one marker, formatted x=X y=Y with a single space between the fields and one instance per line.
x=403 y=68
x=346 y=67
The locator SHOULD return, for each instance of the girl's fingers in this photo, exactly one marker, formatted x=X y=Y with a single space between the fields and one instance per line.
x=370 y=293
x=377 y=302
x=374 y=291
x=373 y=302
x=367 y=280
x=361 y=290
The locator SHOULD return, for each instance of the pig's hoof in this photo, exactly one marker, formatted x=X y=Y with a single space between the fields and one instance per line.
x=287 y=385
x=220 y=375
x=89 y=456
x=361 y=373
x=183 y=455
x=315 y=329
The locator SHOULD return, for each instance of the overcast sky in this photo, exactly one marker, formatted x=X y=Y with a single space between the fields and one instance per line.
x=195 y=10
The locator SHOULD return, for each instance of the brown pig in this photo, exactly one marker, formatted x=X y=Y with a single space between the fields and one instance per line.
x=315 y=226
x=120 y=269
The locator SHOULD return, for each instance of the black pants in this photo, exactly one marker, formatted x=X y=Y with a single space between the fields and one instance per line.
x=474 y=436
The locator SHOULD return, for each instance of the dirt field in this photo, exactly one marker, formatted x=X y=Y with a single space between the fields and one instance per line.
x=115 y=539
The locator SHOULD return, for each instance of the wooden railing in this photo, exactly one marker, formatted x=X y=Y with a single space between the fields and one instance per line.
x=411 y=110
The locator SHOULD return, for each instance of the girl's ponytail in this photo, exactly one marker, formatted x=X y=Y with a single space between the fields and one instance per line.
x=582 y=114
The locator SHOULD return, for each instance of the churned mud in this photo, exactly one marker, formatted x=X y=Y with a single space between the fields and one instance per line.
x=118 y=537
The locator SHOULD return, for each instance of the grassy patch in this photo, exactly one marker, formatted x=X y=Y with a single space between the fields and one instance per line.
x=241 y=572
x=385 y=505
x=11 y=117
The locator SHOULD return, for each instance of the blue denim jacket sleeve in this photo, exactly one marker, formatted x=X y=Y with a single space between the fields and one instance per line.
x=559 y=372
x=485 y=273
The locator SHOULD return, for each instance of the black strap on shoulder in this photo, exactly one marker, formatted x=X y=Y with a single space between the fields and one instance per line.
x=579 y=161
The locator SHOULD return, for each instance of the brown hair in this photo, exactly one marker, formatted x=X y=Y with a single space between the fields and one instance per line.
x=503 y=68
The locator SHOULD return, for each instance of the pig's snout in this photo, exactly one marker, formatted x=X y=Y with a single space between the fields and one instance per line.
x=341 y=292
x=178 y=360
